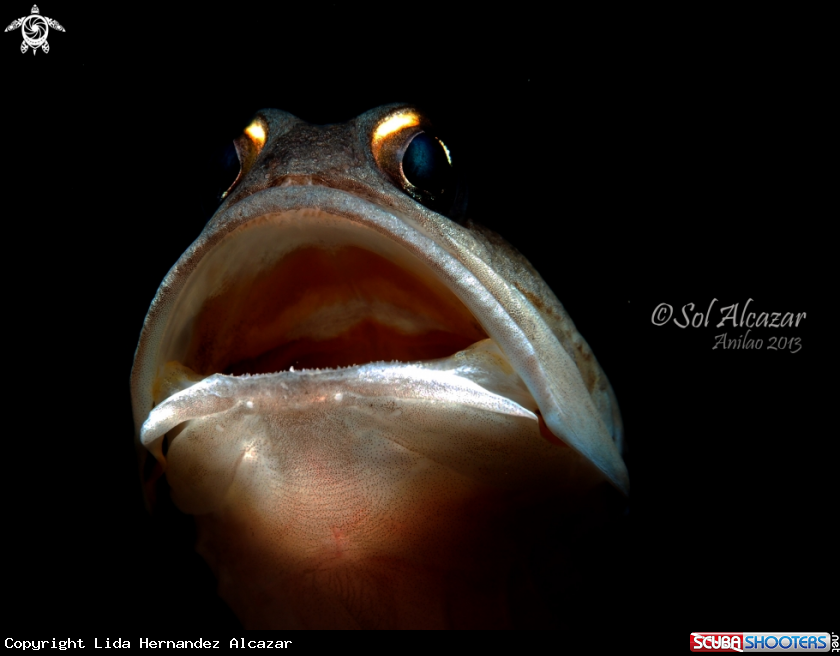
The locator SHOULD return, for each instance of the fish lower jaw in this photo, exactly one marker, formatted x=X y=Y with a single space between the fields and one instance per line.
x=477 y=378
x=384 y=495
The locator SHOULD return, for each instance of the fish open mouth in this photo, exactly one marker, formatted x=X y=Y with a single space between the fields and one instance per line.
x=304 y=318
x=307 y=290
x=328 y=295
x=302 y=293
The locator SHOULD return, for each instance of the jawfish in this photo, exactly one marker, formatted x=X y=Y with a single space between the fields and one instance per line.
x=365 y=399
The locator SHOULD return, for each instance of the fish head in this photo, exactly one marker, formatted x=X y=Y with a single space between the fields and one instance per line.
x=366 y=399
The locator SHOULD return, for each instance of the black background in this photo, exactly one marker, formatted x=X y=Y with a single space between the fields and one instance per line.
x=632 y=165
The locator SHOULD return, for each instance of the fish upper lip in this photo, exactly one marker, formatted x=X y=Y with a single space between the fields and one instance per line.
x=454 y=258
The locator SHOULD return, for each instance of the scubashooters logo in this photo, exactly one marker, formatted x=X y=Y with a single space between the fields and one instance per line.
x=34 y=29
x=760 y=642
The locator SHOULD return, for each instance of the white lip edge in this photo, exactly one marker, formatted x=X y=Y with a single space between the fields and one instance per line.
x=454 y=274
x=218 y=393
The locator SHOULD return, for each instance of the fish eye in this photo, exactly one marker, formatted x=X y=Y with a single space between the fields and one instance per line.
x=239 y=157
x=419 y=163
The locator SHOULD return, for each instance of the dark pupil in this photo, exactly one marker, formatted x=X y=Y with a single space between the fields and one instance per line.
x=425 y=165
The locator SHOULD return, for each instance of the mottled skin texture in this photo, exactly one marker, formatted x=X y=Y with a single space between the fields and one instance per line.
x=334 y=499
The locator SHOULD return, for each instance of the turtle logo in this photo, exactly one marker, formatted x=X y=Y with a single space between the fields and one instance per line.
x=35 y=29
